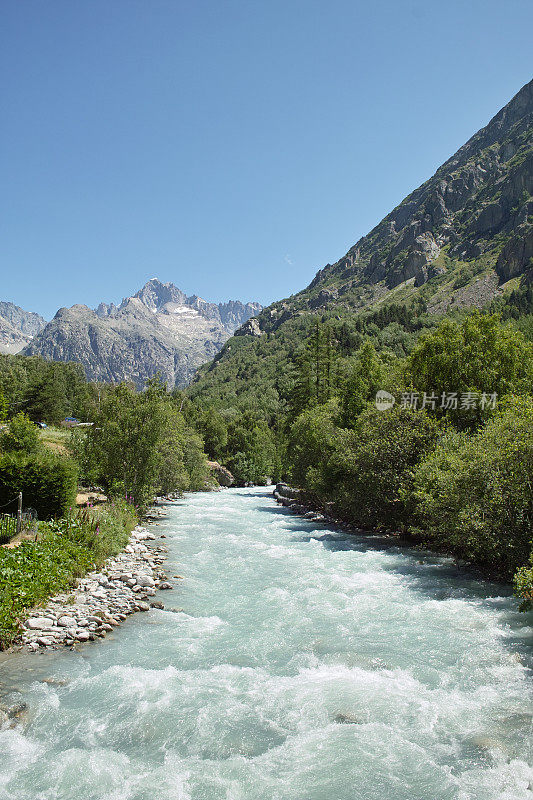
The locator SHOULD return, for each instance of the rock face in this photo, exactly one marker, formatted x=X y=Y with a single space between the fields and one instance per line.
x=475 y=214
x=478 y=202
x=222 y=475
x=17 y=327
x=159 y=329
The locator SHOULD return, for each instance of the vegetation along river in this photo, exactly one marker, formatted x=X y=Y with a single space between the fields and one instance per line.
x=307 y=664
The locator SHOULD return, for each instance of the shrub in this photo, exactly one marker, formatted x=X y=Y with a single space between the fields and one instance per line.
x=523 y=585
x=66 y=550
x=48 y=483
x=21 y=436
x=369 y=475
x=473 y=495
x=480 y=355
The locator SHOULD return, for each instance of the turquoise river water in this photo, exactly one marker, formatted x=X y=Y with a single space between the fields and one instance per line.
x=307 y=664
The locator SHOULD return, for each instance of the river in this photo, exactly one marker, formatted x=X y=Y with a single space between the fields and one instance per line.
x=306 y=664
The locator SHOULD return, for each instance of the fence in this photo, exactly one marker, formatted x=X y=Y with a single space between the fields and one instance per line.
x=8 y=527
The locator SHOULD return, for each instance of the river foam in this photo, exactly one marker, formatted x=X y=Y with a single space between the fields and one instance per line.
x=305 y=664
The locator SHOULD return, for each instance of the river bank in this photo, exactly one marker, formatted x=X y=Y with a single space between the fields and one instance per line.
x=299 y=503
x=100 y=600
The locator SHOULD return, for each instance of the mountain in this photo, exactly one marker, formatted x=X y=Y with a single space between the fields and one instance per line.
x=159 y=329
x=463 y=239
x=17 y=327
x=454 y=242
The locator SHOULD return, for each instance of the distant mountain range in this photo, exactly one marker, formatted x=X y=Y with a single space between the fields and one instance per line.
x=17 y=327
x=159 y=329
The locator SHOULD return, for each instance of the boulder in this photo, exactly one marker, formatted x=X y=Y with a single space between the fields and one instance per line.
x=222 y=475
x=39 y=623
x=66 y=622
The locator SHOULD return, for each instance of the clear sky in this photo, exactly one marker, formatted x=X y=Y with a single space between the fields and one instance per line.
x=231 y=146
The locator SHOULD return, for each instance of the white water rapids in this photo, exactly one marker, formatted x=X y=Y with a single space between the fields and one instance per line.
x=307 y=664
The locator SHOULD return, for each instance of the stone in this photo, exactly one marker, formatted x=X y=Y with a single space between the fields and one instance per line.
x=157 y=604
x=145 y=580
x=165 y=585
x=66 y=622
x=347 y=719
x=39 y=623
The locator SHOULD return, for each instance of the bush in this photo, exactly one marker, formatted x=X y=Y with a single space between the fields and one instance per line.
x=141 y=445
x=480 y=355
x=48 y=483
x=21 y=436
x=370 y=473
x=523 y=585
x=473 y=495
x=311 y=442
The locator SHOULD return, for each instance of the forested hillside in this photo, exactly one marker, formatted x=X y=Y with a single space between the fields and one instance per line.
x=446 y=457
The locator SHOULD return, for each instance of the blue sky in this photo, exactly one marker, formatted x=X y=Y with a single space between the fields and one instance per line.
x=231 y=147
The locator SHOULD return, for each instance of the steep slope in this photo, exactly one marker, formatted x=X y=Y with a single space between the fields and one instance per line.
x=453 y=242
x=462 y=239
x=159 y=329
x=17 y=327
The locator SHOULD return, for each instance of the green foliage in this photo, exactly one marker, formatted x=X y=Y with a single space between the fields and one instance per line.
x=214 y=430
x=141 y=445
x=47 y=482
x=8 y=527
x=523 y=585
x=66 y=549
x=251 y=450
x=46 y=391
x=517 y=303
x=311 y=442
x=21 y=436
x=474 y=494
x=361 y=383
x=368 y=475
x=3 y=406
x=316 y=370
x=57 y=391
x=479 y=355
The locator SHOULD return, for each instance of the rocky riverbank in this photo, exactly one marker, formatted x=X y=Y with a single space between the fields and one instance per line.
x=298 y=503
x=101 y=600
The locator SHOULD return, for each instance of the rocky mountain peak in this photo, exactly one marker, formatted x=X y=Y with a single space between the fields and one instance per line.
x=158 y=329
x=476 y=207
x=154 y=294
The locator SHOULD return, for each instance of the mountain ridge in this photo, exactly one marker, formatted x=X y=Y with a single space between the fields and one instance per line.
x=455 y=241
x=157 y=330
x=17 y=327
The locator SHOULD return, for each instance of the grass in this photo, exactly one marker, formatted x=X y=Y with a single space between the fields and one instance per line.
x=56 y=439
x=65 y=550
